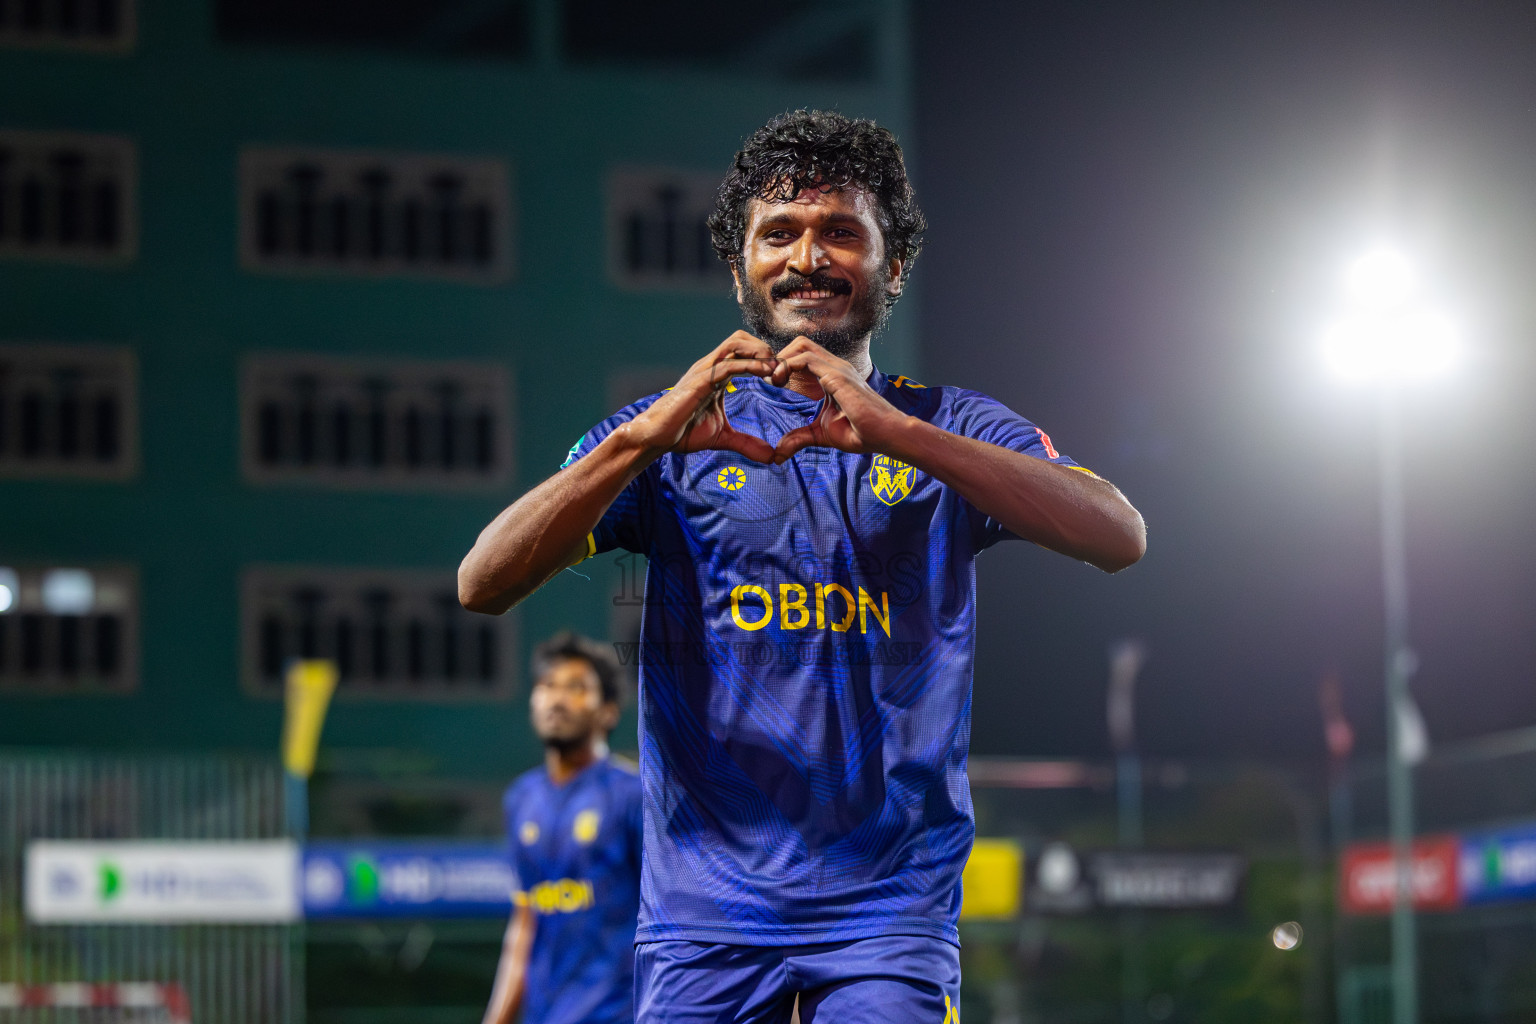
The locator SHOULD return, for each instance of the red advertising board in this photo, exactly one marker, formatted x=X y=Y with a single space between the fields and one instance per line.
x=1367 y=881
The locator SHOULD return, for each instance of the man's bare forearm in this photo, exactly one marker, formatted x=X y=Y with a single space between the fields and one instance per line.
x=512 y=968
x=1063 y=509
x=546 y=529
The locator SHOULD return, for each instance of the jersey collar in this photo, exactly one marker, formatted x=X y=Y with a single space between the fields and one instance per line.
x=575 y=780
x=794 y=399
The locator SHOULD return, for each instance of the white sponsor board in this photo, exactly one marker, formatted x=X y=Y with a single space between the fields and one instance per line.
x=162 y=882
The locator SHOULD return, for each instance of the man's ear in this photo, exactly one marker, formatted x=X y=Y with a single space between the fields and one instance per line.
x=735 y=265
x=609 y=719
x=893 y=284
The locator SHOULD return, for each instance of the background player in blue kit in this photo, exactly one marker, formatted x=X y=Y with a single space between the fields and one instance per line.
x=811 y=527
x=574 y=827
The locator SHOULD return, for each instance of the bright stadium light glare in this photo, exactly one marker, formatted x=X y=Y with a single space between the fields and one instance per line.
x=1381 y=277
x=1408 y=344
x=1387 y=333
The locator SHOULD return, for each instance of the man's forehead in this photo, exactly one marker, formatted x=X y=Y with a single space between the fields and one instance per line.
x=570 y=668
x=854 y=200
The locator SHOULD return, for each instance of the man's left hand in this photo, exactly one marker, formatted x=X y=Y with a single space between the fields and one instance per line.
x=853 y=416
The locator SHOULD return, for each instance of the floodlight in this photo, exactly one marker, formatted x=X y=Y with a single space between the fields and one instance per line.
x=1381 y=277
x=1387 y=332
x=10 y=589
x=1380 y=345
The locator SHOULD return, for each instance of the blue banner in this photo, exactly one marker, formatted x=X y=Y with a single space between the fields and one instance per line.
x=406 y=879
x=1499 y=866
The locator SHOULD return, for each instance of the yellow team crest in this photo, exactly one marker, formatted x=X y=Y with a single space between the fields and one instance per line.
x=584 y=828
x=890 y=480
x=529 y=833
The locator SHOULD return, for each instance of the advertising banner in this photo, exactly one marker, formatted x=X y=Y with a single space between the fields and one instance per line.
x=991 y=889
x=161 y=882
x=1499 y=866
x=1065 y=881
x=1368 y=881
x=387 y=879
x=1167 y=880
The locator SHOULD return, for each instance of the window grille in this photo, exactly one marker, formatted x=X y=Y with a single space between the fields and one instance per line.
x=657 y=236
x=392 y=633
x=376 y=423
x=101 y=25
x=67 y=196
x=382 y=214
x=68 y=411
x=68 y=630
x=498 y=30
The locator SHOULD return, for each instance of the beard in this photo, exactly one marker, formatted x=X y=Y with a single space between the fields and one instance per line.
x=565 y=733
x=866 y=317
x=567 y=744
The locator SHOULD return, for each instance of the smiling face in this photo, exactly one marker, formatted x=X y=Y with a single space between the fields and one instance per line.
x=567 y=705
x=816 y=266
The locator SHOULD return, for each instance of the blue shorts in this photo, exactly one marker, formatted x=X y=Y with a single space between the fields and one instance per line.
x=893 y=979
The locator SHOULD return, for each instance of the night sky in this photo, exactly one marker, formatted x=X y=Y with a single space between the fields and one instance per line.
x=1140 y=214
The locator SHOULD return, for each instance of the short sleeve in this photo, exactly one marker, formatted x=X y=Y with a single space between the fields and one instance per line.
x=986 y=419
x=626 y=524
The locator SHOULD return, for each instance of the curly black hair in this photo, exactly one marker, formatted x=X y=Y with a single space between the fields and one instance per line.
x=567 y=644
x=821 y=149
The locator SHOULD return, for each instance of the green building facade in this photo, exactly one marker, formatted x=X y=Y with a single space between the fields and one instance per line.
x=294 y=299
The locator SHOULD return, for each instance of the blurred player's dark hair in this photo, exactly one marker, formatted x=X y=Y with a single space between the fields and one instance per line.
x=566 y=644
x=805 y=149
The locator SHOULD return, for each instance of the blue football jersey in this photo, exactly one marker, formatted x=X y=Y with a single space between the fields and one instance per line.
x=576 y=859
x=805 y=676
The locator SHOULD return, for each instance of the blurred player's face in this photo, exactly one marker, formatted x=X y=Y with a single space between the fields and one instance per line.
x=816 y=266
x=568 y=709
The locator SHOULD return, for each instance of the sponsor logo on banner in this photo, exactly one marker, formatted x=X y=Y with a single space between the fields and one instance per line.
x=1368 y=879
x=1167 y=880
x=1058 y=881
x=161 y=882
x=407 y=880
x=1499 y=866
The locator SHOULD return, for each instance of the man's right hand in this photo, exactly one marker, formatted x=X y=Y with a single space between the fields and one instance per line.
x=691 y=417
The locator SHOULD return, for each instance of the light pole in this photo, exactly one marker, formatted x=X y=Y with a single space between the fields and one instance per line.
x=1388 y=336
x=1125 y=660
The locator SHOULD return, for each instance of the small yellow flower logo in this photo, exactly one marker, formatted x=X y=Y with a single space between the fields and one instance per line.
x=732 y=478
x=529 y=833
x=584 y=828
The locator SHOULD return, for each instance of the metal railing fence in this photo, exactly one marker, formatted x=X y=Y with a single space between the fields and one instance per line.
x=232 y=974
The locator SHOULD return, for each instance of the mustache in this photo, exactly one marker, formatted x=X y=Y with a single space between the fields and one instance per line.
x=820 y=281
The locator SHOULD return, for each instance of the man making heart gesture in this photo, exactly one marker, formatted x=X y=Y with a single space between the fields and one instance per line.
x=811 y=528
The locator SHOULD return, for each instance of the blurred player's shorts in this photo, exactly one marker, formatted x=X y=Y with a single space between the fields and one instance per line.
x=892 y=979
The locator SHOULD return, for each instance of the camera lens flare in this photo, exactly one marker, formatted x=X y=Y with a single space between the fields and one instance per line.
x=1286 y=936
